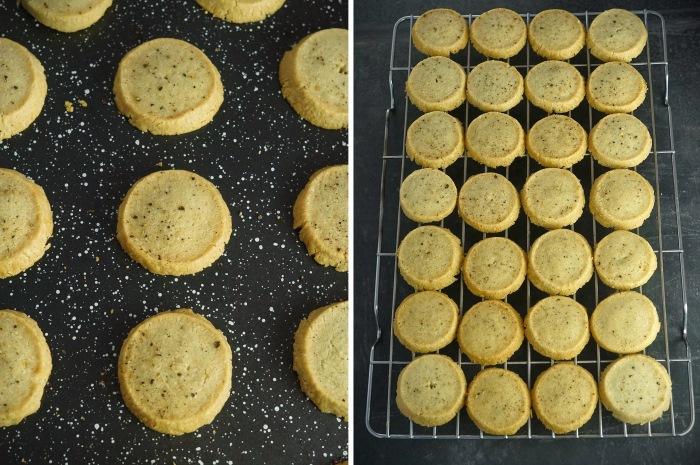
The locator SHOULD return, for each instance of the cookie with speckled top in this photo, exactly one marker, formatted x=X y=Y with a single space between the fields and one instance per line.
x=22 y=89
x=429 y=258
x=498 y=401
x=621 y=199
x=556 y=34
x=495 y=139
x=620 y=140
x=494 y=86
x=435 y=140
x=167 y=86
x=26 y=223
x=241 y=11
x=321 y=211
x=553 y=198
x=560 y=262
x=616 y=35
x=175 y=371
x=494 y=267
x=440 y=32
x=556 y=141
x=437 y=84
x=321 y=358
x=25 y=366
x=625 y=322
x=67 y=15
x=499 y=33
x=490 y=332
x=555 y=86
x=314 y=78
x=557 y=327
x=616 y=87
x=427 y=195
x=426 y=321
x=488 y=202
x=624 y=260
x=173 y=222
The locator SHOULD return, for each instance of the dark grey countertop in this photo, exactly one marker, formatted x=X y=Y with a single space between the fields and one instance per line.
x=374 y=21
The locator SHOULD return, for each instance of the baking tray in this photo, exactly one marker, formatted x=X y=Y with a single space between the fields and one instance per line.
x=667 y=288
x=86 y=293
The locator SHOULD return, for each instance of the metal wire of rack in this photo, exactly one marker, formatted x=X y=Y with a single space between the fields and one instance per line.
x=667 y=288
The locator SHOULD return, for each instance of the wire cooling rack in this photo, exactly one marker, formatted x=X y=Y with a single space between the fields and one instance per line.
x=667 y=288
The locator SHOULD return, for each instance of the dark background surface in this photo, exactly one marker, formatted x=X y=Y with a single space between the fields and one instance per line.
x=86 y=293
x=374 y=22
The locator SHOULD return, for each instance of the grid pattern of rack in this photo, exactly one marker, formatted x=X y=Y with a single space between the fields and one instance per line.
x=667 y=288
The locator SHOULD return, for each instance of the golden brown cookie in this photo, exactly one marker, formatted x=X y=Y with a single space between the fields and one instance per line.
x=490 y=332
x=555 y=86
x=494 y=86
x=498 y=401
x=494 y=267
x=241 y=11
x=426 y=321
x=488 y=202
x=556 y=141
x=557 y=327
x=67 y=15
x=437 y=84
x=427 y=195
x=556 y=34
x=499 y=33
x=621 y=199
x=435 y=140
x=429 y=258
x=440 y=32
x=560 y=262
x=616 y=35
x=616 y=87
x=625 y=323
x=624 y=260
x=553 y=198
x=619 y=141
x=495 y=139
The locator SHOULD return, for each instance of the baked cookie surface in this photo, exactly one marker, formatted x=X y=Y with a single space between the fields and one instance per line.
x=490 y=332
x=553 y=198
x=426 y=321
x=437 y=84
x=494 y=86
x=616 y=35
x=67 y=15
x=625 y=323
x=427 y=195
x=321 y=358
x=556 y=141
x=498 y=401
x=241 y=11
x=441 y=32
x=429 y=258
x=624 y=260
x=175 y=371
x=555 y=86
x=495 y=139
x=499 y=33
x=488 y=202
x=560 y=262
x=494 y=267
x=557 y=327
x=556 y=34
x=621 y=199
x=619 y=140
x=435 y=140
x=314 y=78
x=616 y=87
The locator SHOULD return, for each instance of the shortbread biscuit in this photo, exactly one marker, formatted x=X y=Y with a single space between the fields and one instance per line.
x=321 y=211
x=555 y=86
x=426 y=321
x=553 y=198
x=494 y=267
x=499 y=33
x=616 y=35
x=490 y=332
x=564 y=397
x=27 y=223
x=175 y=371
x=167 y=86
x=619 y=141
x=427 y=195
x=556 y=34
x=636 y=389
x=621 y=199
x=624 y=260
x=616 y=87
x=314 y=78
x=557 y=327
x=488 y=202
x=431 y=390
x=173 y=222
x=440 y=32
x=625 y=323
x=429 y=258
x=241 y=11
x=560 y=262
x=498 y=401
x=556 y=141
x=494 y=86
x=67 y=15
x=437 y=84
x=321 y=358
x=25 y=366
x=23 y=89
x=495 y=139
x=435 y=140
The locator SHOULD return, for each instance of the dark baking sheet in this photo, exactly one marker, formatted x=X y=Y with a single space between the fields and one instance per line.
x=86 y=293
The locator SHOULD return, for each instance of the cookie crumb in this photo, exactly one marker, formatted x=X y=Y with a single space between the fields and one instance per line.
x=69 y=106
x=82 y=103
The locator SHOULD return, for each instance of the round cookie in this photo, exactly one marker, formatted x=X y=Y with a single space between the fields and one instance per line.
x=495 y=139
x=624 y=260
x=435 y=140
x=564 y=397
x=167 y=86
x=616 y=87
x=321 y=211
x=426 y=321
x=488 y=202
x=621 y=199
x=440 y=32
x=498 y=401
x=494 y=267
x=314 y=78
x=437 y=84
x=429 y=258
x=625 y=322
x=616 y=35
x=173 y=222
x=241 y=11
x=494 y=86
x=490 y=332
x=67 y=15
x=557 y=327
x=321 y=358
x=25 y=366
x=560 y=262
x=619 y=141
x=499 y=33
x=556 y=141
x=27 y=223
x=553 y=198
x=555 y=86
x=175 y=371
x=427 y=195
x=431 y=390
x=556 y=34
x=23 y=89
x=636 y=389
